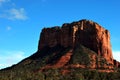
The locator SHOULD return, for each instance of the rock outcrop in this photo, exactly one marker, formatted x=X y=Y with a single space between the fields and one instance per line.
x=116 y=63
x=84 y=32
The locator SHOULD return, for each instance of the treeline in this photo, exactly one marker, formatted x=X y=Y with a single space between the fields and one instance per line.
x=56 y=74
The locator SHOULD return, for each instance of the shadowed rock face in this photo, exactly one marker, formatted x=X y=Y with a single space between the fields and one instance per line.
x=85 y=32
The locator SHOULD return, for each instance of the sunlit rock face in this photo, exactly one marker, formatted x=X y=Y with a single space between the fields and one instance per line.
x=85 y=32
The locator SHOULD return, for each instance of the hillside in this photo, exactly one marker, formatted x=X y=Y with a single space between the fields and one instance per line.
x=75 y=51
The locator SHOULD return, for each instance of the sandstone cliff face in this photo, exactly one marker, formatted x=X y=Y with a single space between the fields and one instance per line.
x=85 y=32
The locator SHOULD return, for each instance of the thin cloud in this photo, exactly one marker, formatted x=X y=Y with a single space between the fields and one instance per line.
x=3 y=1
x=12 y=13
x=116 y=55
x=8 y=58
x=15 y=14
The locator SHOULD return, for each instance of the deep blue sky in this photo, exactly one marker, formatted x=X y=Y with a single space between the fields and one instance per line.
x=21 y=22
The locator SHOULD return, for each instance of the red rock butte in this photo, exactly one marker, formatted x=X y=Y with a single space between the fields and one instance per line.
x=85 y=32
